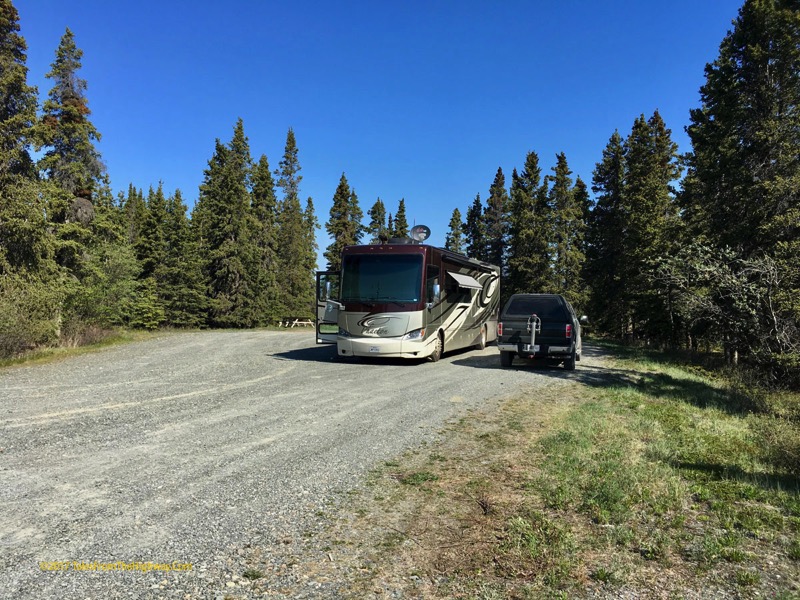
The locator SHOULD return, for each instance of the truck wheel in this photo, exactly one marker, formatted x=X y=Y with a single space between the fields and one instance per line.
x=569 y=364
x=437 y=349
x=506 y=358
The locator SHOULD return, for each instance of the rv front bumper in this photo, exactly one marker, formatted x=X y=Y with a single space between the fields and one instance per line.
x=384 y=347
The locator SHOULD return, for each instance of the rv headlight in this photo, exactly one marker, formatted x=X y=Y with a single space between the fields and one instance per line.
x=417 y=334
x=344 y=332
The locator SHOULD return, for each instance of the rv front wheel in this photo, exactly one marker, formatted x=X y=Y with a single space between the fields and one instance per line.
x=438 y=348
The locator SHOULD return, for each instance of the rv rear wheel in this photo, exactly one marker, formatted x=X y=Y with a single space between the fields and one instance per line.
x=482 y=341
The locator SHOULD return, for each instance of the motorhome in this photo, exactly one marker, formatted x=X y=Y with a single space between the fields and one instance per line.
x=405 y=299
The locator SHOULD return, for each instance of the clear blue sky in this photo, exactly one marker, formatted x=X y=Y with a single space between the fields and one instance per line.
x=415 y=100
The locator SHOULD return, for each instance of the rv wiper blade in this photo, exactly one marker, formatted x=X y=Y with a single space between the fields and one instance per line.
x=392 y=300
x=369 y=303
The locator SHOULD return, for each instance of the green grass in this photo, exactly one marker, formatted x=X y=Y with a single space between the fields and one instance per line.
x=593 y=465
x=793 y=552
x=678 y=468
x=747 y=578
x=252 y=574
x=417 y=478
x=537 y=539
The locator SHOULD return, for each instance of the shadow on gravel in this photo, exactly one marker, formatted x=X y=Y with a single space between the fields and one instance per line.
x=586 y=374
x=326 y=353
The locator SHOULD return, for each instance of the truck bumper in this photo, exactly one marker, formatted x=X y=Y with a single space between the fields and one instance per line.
x=559 y=352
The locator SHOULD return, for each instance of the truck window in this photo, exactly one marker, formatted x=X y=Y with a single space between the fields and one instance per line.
x=548 y=308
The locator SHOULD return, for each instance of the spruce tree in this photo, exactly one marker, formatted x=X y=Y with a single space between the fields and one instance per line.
x=583 y=199
x=151 y=246
x=25 y=244
x=740 y=192
x=109 y=289
x=583 y=207
x=344 y=226
x=567 y=230
x=31 y=293
x=134 y=210
x=70 y=159
x=605 y=253
x=529 y=258
x=454 y=240
x=264 y=224
x=224 y=206
x=17 y=99
x=310 y=226
x=744 y=168
x=377 y=228
x=390 y=226
x=651 y=164
x=294 y=247
x=152 y=251
x=496 y=221
x=475 y=231
x=74 y=178
x=400 y=228
x=180 y=276
x=103 y=290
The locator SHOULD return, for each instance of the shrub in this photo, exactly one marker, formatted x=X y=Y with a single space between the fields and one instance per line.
x=29 y=314
x=778 y=440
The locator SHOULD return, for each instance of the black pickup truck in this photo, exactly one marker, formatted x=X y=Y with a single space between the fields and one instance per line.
x=539 y=326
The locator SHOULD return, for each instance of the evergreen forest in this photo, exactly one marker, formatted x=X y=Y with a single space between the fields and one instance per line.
x=697 y=251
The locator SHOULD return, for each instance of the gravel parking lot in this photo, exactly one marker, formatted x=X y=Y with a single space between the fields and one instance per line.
x=188 y=450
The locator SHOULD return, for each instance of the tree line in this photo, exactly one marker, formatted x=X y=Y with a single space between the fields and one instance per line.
x=698 y=250
x=74 y=260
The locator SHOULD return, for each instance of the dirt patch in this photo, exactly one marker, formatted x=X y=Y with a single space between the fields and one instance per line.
x=437 y=511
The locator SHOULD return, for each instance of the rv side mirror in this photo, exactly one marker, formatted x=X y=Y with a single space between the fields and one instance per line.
x=584 y=320
x=434 y=296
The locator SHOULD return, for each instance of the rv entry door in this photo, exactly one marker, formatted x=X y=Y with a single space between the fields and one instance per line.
x=328 y=307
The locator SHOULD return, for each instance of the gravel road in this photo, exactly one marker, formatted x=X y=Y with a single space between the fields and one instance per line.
x=192 y=450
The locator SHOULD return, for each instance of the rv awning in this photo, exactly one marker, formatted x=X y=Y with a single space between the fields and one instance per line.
x=465 y=281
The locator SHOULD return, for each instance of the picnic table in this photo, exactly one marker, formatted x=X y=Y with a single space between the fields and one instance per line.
x=295 y=322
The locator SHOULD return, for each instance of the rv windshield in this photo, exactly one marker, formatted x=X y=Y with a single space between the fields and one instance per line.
x=382 y=278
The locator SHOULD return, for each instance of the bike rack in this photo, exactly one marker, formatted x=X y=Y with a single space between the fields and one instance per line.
x=534 y=327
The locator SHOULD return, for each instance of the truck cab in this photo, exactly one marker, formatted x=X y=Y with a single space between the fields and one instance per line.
x=539 y=326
